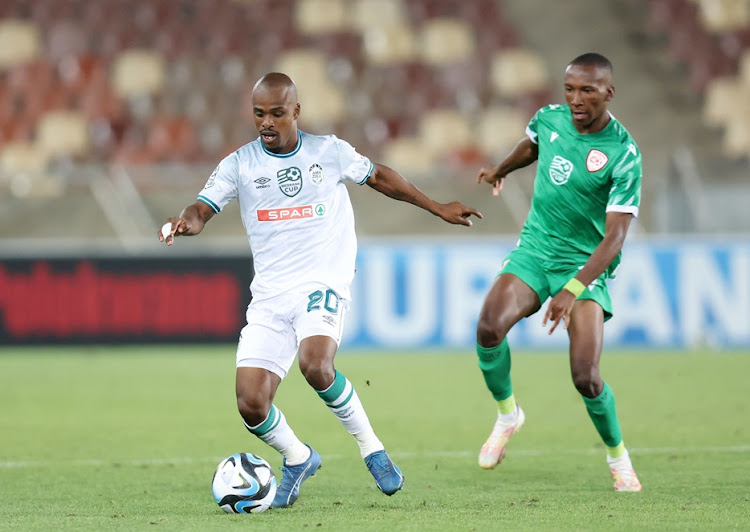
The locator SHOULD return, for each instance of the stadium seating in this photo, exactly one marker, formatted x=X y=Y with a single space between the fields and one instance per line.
x=443 y=131
x=63 y=133
x=23 y=157
x=518 y=71
x=151 y=76
x=408 y=154
x=137 y=72
x=722 y=95
x=500 y=129
x=443 y=41
x=712 y=39
x=19 y=42
x=150 y=81
x=320 y=17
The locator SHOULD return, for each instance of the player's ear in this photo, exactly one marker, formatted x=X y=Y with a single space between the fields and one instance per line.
x=296 y=111
x=610 y=93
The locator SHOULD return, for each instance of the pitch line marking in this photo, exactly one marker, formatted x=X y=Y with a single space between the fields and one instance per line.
x=403 y=454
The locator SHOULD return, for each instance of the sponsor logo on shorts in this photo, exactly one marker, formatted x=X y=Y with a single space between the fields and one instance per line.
x=291 y=213
x=596 y=160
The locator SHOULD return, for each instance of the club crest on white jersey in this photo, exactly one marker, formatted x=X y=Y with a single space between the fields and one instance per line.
x=316 y=174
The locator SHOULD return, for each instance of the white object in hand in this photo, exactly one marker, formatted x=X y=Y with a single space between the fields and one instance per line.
x=166 y=229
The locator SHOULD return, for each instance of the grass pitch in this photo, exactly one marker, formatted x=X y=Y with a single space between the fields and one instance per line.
x=128 y=438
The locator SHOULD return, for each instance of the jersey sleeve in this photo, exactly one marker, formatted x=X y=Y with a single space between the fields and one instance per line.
x=531 y=130
x=221 y=187
x=354 y=167
x=625 y=194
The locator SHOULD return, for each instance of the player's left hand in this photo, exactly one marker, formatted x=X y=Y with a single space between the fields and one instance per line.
x=457 y=213
x=559 y=309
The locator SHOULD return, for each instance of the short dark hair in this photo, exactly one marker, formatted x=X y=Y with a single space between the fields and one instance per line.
x=592 y=59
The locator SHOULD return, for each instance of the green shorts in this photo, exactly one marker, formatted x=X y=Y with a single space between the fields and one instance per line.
x=547 y=278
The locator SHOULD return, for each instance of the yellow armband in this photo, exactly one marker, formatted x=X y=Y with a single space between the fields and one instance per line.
x=575 y=287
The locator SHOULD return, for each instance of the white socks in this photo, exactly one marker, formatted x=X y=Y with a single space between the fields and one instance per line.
x=342 y=399
x=277 y=433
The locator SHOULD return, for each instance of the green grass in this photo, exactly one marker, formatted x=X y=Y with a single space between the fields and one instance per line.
x=128 y=439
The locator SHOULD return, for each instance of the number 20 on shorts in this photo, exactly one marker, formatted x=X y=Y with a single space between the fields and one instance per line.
x=330 y=301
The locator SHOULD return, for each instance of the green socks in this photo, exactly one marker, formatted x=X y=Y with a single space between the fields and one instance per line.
x=602 y=412
x=495 y=365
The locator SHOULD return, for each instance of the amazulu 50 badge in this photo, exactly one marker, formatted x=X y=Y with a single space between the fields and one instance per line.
x=290 y=180
x=316 y=173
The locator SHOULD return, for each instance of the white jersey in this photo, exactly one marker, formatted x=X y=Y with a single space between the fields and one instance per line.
x=296 y=210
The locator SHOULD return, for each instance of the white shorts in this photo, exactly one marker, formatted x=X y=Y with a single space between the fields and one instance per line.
x=276 y=326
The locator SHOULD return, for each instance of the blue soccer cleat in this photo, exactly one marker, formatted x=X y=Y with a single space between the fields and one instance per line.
x=387 y=475
x=293 y=477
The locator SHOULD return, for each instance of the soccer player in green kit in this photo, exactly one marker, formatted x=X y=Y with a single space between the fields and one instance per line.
x=586 y=191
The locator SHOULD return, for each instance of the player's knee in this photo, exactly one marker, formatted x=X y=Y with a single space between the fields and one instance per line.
x=253 y=410
x=319 y=375
x=490 y=332
x=587 y=381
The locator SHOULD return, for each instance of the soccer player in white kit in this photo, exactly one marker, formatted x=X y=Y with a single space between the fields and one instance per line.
x=299 y=220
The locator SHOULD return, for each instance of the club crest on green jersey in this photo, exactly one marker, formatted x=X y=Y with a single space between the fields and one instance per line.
x=596 y=160
x=290 y=180
x=560 y=170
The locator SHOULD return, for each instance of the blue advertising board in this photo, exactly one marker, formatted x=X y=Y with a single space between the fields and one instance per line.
x=407 y=294
x=670 y=293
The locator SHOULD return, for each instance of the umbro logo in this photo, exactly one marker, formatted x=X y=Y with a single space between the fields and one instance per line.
x=261 y=182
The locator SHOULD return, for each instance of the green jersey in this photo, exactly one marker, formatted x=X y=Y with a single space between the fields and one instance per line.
x=579 y=179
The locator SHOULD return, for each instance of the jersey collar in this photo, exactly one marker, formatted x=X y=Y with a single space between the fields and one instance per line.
x=300 y=135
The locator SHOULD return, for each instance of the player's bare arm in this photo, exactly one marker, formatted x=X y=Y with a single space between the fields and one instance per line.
x=389 y=182
x=615 y=230
x=190 y=222
x=522 y=155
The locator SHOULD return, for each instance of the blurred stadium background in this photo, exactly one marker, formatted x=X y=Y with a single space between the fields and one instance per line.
x=113 y=113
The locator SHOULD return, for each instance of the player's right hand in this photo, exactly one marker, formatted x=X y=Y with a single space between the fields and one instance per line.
x=490 y=175
x=179 y=226
x=457 y=213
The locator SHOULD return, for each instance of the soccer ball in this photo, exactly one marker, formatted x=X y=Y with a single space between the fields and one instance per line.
x=244 y=483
